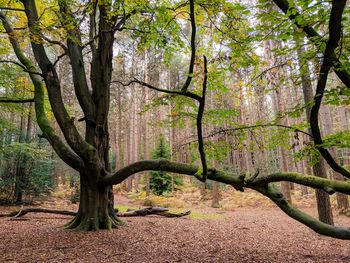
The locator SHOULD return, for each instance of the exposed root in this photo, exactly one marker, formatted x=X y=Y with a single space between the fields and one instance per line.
x=73 y=223
x=86 y=223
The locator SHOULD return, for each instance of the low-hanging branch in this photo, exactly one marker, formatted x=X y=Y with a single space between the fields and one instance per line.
x=329 y=186
x=184 y=92
x=230 y=130
x=322 y=228
x=239 y=180
x=258 y=183
x=330 y=60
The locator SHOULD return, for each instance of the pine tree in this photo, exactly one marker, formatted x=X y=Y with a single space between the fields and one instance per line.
x=160 y=181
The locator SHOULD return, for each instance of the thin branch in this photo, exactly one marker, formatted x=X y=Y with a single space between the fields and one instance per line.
x=258 y=126
x=20 y=65
x=267 y=70
x=201 y=108
x=167 y=91
x=14 y=100
x=12 y=9
x=55 y=42
x=15 y=63
x=15 y=29
x=227 y=130
x=120 y=25
x=59 y=58
x=328 y=60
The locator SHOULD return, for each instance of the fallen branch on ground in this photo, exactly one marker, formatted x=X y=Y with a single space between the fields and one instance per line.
x=24 y=211
x=161 y=211
x=152 y=211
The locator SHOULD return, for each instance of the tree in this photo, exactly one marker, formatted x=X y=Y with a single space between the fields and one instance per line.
x=91 y=26
x=160 y=181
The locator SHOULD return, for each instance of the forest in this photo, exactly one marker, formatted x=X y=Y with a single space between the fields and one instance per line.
x=195 y=131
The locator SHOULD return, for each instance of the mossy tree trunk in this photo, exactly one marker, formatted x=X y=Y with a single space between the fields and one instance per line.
x=96 y=209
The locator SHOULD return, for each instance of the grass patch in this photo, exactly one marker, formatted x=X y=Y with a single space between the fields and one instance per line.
x=194 y=213
x=198 y=215
x=124 y=208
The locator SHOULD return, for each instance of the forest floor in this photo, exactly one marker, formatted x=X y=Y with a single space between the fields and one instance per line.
x=249 y=234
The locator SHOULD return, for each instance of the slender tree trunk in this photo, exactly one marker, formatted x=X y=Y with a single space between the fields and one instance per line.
x=216 y=195
x=303 y=188
x=324 y=207
x=285 y=186
x=342 y=199
x=343 y=123
x=323 y=202
x=21 y=163
x=147 y=144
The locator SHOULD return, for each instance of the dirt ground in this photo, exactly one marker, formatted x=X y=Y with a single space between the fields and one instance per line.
x=244 y=235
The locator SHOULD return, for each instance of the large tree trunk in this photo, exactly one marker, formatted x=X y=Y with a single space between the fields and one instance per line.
x=96 y=209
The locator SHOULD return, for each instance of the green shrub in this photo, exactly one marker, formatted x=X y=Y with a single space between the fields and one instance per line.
x=32 y=163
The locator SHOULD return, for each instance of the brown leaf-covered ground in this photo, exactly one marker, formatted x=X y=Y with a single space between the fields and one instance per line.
x=244 y=235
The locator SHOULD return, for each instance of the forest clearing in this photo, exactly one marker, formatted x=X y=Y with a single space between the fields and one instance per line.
x=222 y=125
x=252 y=232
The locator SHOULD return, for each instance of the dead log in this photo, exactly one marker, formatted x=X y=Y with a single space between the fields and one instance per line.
x=25 y=211
x=161 y=211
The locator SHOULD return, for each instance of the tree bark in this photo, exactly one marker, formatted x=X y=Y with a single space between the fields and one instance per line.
x=96 y=209
x=322 y=198
x=328 y=123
